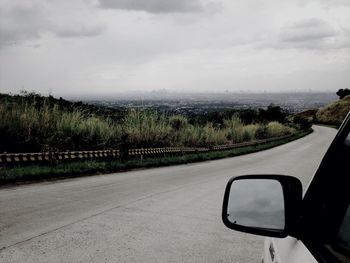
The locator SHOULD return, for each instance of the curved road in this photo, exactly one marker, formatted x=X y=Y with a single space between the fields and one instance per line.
x=170 y=214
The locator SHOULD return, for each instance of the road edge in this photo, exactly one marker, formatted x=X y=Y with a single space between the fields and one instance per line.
x=35 y=173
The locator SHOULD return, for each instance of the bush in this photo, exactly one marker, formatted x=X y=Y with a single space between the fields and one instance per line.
x=302 y=123
x=234 y=129
x=261 y=132
x=212 y=136
x=276 y=129
x=144 y=129
x=177 y=122
x=272 y=113
x=250 y=132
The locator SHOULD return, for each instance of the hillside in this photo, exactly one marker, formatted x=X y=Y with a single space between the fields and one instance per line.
x=33 y=123
x=39 y=102
x=335 y=112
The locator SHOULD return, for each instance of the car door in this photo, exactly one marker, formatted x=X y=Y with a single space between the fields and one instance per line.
x=326 y=212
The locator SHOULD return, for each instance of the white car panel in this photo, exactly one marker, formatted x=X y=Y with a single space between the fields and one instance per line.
x=286 y=250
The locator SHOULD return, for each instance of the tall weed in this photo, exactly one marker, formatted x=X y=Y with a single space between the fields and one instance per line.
x=28 y=126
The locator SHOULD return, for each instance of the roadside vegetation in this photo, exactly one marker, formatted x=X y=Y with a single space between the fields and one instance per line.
x=332 y=115
x=74 y=169
x=33 y=123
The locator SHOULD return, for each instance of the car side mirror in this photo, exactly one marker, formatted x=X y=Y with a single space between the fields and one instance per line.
x=265 y=205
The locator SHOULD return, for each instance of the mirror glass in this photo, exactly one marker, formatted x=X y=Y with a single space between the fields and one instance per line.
x=256 y=203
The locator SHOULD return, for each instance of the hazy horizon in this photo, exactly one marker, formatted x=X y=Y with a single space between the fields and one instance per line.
x=166 y=93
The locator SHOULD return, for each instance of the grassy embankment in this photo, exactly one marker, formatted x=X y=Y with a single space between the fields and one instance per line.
x=334 y=113
x=32 y=123
x=331 y=115
x=75 y=169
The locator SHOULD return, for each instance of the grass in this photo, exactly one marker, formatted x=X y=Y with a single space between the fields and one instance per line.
x=24 y=127
x=29 y=126
x=334 y=113
x=65 y=170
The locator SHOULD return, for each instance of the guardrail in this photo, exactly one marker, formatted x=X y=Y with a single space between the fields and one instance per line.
x=54 y=157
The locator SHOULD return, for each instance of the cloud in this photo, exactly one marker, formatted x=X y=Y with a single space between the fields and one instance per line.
x=154 y=6
x=173 y=44
x=18 y=23
x=312 y=34
x=308 y=30
x=80 y=31
x=330 y=3
x=21 y=22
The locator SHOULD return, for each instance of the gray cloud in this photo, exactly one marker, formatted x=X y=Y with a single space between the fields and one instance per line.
x=19 y=23
x=154 y=6
x=313 y=34
x=80 y=31
x=306 y=31
x=330 y=3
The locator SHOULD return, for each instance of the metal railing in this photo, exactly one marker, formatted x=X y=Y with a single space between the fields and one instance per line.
x=116 y=154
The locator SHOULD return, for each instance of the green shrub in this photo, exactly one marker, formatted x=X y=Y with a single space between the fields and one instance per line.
x=212 y=136
x=261 y=132
x=234 y=129
x=276 y=129
x=302 y=123
x=178 y=122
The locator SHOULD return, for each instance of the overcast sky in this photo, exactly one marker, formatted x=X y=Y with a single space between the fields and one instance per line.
x=106 y=46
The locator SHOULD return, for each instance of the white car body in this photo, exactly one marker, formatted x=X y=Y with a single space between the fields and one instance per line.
x=286 y=250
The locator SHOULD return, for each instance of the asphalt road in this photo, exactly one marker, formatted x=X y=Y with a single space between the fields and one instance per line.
x=170 y=214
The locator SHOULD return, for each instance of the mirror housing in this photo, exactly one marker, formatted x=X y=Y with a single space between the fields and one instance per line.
x=291 y=196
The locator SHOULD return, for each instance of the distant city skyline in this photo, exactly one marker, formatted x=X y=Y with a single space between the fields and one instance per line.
x=196 y=96
x=102 y=47
x=203 y=102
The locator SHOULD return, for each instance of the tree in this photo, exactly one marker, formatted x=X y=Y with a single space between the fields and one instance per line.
x=272 y=113
x=248 y=116
x=302 y=122
x=343 y=93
